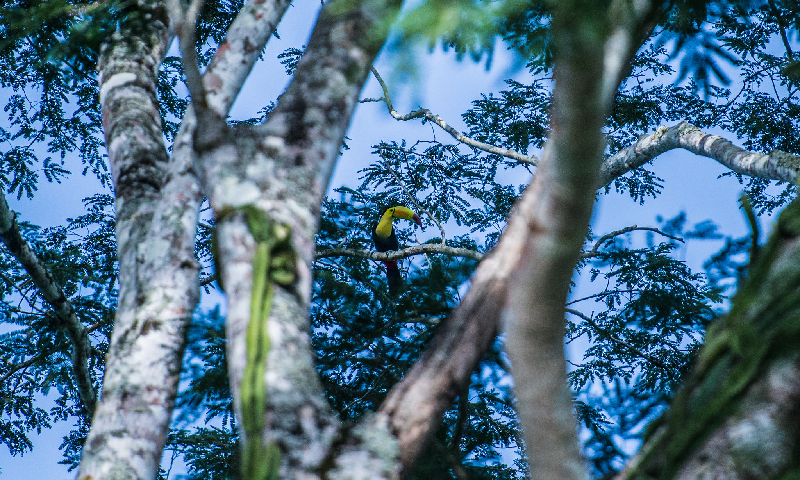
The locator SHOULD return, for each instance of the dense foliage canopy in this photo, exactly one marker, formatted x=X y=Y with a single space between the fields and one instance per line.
x=725 y=66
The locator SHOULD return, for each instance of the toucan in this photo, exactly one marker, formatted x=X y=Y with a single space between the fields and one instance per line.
x=385 y=240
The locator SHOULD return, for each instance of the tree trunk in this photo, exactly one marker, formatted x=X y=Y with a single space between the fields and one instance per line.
x=157 y=209
x=281 y=169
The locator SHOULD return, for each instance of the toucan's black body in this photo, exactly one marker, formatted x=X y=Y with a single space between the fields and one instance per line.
x=390 y=244
x=385 y=239
x=385 y=244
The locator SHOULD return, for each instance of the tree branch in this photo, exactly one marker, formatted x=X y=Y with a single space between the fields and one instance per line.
x=184 y=23
x=414 y=406
x=743 y=392
x=20 y=366
x=776 y=165
x=430 y=116
x=234 y=59
x=54 y=295
x=424 y=248
x=282 y=168
x=782 y=24
x=157 y=202
x=608 y=236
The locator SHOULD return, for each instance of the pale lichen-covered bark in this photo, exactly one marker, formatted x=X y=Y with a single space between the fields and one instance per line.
x=775 y=165
x=282 y=168
x=157 y=209
x=236 y=55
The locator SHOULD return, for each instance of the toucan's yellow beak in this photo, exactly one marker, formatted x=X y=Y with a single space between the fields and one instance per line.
x=407 y=214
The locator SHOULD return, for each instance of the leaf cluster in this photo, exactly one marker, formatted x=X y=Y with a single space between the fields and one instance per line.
x=35 y=349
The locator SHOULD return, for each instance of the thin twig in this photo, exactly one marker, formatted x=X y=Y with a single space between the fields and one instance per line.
x=430 y=116
x=22 y=365
x=600 y=241
x=413 y=199
x=27 y=363
x=22 y=293
x=601 y=294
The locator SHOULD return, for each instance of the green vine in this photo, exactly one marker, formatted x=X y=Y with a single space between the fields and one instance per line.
x=273 y=263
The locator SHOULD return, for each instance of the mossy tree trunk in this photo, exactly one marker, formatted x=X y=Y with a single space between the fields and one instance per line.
x=737 y=415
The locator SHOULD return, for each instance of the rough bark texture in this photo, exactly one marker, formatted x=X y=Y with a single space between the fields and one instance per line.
x=157 y=210
x=736 y=417
x=236 y=55
x=282 y=168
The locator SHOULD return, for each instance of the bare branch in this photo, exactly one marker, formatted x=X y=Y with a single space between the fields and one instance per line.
x=430 y=116
x=21 y=366
x=54 y=295
x=608 y=236
x=415 y=405
x=470 y=328
x=236 y=55
x=776 y=165
x=185 y=23
x=601 y=295
x=422 y=249
x=157 y=208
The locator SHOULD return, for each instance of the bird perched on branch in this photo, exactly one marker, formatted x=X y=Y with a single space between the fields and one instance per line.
x=385 y=241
